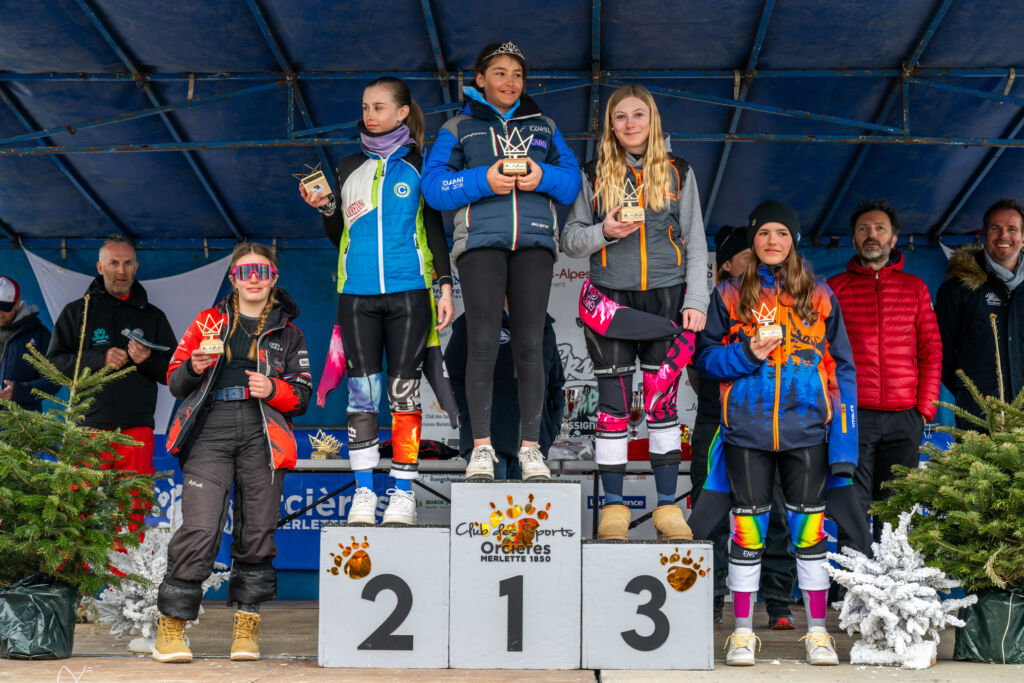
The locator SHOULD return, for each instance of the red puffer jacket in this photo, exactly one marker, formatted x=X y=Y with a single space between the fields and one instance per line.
x=894 y=335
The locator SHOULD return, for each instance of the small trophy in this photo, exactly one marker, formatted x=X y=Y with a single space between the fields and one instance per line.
x=572 y=398
x=514 y=147
x=767 y=328
x=631 y=211
x=325 y=446
x=636 y=413
x=210 y=330
x=314 y=181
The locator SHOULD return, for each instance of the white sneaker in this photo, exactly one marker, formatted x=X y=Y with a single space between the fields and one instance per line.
x=481 y=464
x=531 y=461
x=364 y=507
x=740 y=645
x=401 y=507
x=821 y=647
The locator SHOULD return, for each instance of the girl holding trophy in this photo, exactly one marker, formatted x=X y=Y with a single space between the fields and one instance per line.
x=638 y=218
x=500 y=164
x=390 y=244
x=775 y=340
x=243 y=372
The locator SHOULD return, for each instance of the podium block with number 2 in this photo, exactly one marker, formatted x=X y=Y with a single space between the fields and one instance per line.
x=647 y=605
x=515 y=573
x=384 y=597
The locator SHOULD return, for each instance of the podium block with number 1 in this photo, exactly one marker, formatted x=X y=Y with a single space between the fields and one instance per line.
x=515 y=575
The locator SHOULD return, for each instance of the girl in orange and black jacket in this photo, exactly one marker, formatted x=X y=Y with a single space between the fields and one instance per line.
x=233 y=427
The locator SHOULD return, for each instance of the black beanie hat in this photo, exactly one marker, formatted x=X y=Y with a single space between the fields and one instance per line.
x=772 y=211
x=728 y=242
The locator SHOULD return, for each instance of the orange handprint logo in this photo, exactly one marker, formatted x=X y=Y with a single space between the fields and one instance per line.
x=684 y=570
x=516 y=525
x=353 y=559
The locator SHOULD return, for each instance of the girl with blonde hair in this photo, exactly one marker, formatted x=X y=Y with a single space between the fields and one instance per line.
x=656 y=265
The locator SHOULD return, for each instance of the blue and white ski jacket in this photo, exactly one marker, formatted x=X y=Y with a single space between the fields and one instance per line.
x=388 y=240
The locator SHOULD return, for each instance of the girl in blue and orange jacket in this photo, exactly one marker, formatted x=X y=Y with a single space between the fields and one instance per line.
x=789 y=402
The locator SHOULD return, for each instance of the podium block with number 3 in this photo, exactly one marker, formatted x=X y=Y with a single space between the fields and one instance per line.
x=515 y=573
x=384 y=597
x=647 y=605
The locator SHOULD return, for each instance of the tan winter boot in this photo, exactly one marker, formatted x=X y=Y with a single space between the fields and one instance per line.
x=170 y=641
x=614 y=523
x=670 y=525
x=245 y=643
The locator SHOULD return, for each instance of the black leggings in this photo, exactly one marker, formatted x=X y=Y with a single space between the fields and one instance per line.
x=751 y=473
x=398 y=323
x=487 y=276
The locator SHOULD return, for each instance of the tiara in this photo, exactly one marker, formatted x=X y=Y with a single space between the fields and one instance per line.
x=508 y=48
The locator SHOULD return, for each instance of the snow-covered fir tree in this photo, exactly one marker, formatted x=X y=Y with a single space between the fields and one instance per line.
x=130 y=608
x=893 y=601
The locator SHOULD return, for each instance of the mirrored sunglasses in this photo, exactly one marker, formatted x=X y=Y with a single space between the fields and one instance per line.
x=244 y=271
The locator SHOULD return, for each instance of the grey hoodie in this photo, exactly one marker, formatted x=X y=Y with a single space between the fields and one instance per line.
x=671 y=242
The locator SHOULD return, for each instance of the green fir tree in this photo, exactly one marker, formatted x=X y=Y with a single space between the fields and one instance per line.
x=60 y=513
x=973 y=495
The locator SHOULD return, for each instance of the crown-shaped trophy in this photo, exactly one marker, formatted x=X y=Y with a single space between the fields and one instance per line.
x=314 y=181
x=514 y=147
x=325 y=446
x=210 y=330
x=767 y=328
x=631 y=211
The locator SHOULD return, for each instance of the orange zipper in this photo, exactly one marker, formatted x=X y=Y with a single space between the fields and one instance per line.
x=725 y=406
x=679 y=254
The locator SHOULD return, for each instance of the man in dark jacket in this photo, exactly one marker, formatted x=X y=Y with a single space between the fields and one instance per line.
x=19 y=327
x=115 y=302
x=505 y=411
x=982 y=283
x=896 y=347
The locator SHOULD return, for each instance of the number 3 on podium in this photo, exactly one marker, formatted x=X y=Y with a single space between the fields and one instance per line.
x=650 y=609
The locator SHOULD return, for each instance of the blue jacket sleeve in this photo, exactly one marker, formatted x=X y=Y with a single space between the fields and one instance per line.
x=716 y=359
x=445 y=183
x=842 y=432
x=561 y=179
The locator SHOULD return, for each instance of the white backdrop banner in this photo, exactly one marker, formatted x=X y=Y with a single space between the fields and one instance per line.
x=180 y=297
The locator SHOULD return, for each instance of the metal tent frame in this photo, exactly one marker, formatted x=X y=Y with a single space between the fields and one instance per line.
x=305 y=132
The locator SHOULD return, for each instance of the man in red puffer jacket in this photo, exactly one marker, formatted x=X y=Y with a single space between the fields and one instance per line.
x=896 y=348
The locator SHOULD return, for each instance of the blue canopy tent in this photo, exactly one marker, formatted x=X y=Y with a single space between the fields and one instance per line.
x=181 y=128
x=180 y=125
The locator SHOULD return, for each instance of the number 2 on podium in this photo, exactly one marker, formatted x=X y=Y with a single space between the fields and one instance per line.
x=384 y=638
x=512 y=588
